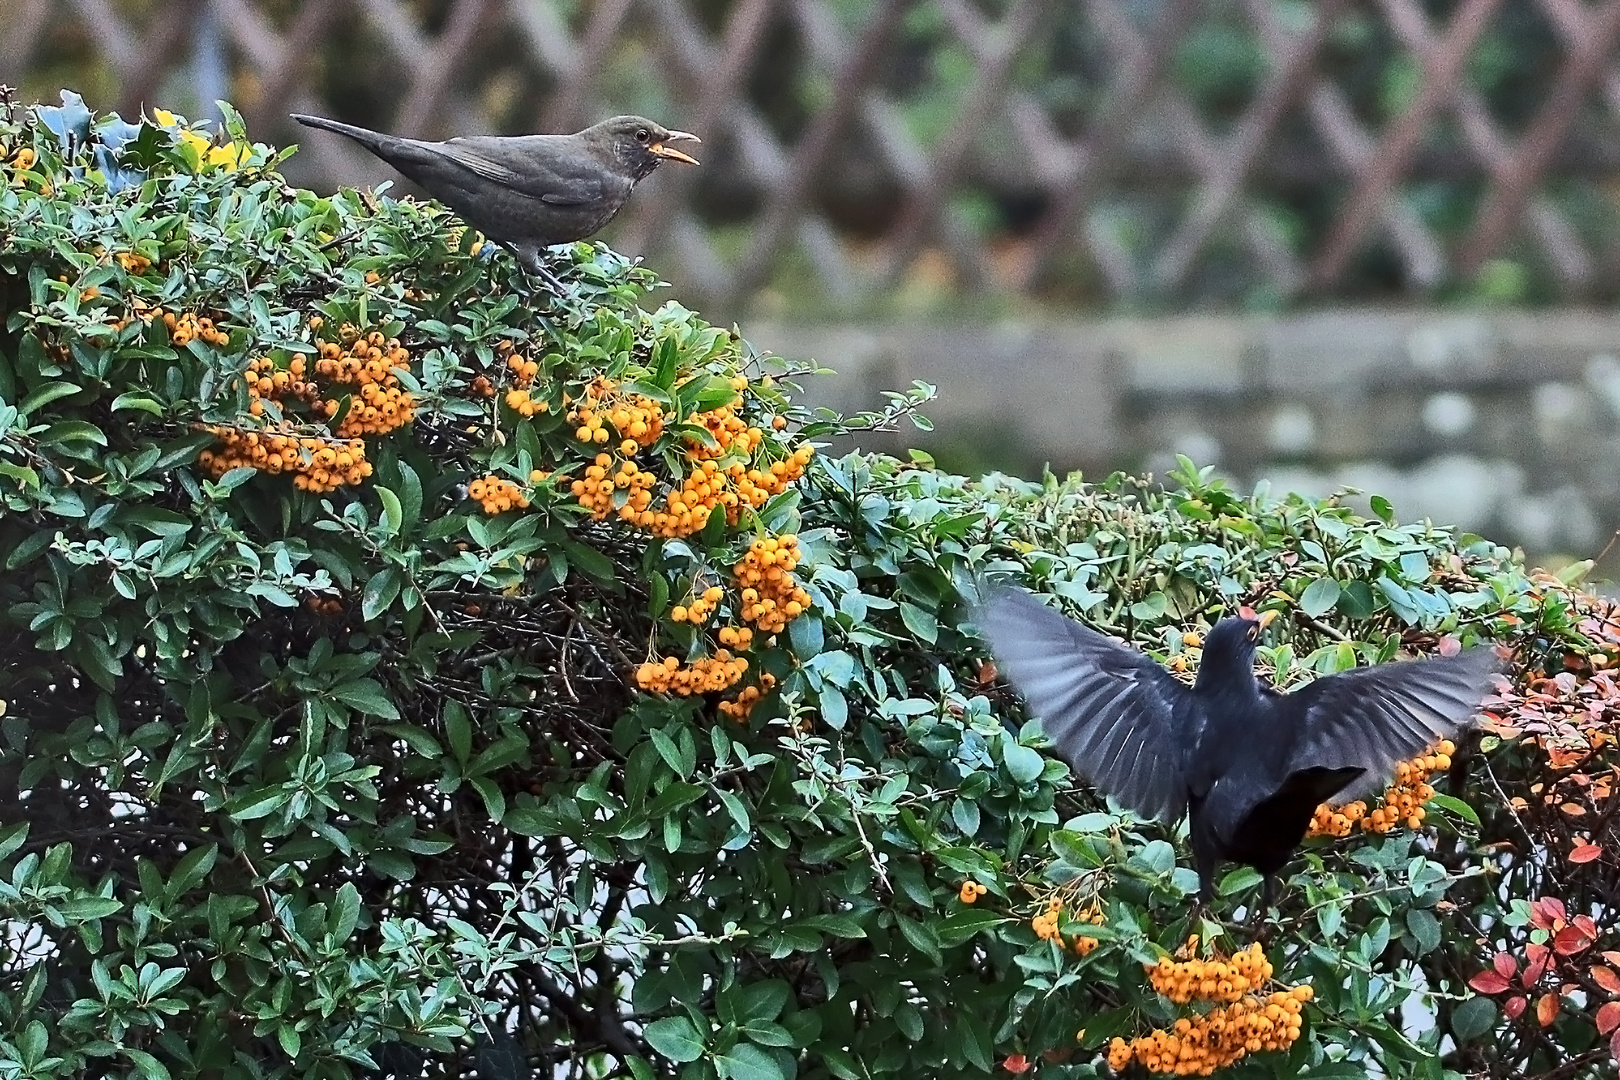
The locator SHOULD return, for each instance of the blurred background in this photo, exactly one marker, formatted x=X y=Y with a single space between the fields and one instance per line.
x=1373 y=243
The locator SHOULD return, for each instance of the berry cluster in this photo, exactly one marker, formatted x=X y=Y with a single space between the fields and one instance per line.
x=606 y=413
x=698 y=611
x=1197 y=1046
x=324 y=606
x=23 y=159
x=316 y=464
x=738 y=637
x=496 y=495
x=266 y=382
x=1046 y=923
x=596 y=491
x=373 y=365
x=524 y=372
x=705 y=675
x=1210 y=980
x=770 y=595
x=740 y=709
x=1402 y=801
x=638 y=420
x=184 y=326
x=134 y=264
x=971 y=891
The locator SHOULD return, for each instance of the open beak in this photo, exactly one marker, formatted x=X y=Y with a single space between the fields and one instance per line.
x=670 y=152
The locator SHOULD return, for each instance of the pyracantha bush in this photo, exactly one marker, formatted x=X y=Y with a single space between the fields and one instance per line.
x=407 y=674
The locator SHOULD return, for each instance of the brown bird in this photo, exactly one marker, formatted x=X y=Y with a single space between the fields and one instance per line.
x=528 y=192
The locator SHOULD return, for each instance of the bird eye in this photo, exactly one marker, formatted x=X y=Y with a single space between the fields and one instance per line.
x=1253 y=632
x=642 y=135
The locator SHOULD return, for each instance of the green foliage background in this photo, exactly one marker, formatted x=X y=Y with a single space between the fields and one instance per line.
x=439 y=831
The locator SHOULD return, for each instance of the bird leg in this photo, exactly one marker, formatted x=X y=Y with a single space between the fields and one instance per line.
x=530 y=260
x=1262 y=913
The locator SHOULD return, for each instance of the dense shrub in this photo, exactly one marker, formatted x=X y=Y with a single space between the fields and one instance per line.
x=366 y=711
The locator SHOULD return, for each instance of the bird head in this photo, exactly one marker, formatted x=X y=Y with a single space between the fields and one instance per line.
x=638 y=144
x=1229 y=649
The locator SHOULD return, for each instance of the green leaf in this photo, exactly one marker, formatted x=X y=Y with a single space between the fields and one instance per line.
x=366 y=696
x=140 y=402
x=381 y=590
x=392 y=511
x=45 y=395
x=675 y=1038
x=12 y=837
x=67 y=431
x=959 y=926
x=1453 y=805
x=530 y=821
x=1319 y=597
x=150 y=1067
x=1356 y=600
x=1425 y=929
x=919 y=622
x=1240 y=880
x=1024 y=764
x=345 y=912
x=746 y=1061
x=86 y=908
x=1473 y=1018
x=844 y=926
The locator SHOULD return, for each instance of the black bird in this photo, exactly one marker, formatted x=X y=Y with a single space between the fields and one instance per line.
x=1251 y=764
x=528 y=192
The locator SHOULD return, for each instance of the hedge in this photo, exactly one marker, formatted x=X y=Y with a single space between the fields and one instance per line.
x=404 y=675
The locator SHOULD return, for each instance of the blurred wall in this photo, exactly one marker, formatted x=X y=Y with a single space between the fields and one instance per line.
x=1504 y=424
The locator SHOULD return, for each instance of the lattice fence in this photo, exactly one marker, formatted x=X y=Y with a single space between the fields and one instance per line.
x=1144 y=153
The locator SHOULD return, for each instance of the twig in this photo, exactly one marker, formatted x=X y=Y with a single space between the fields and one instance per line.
x=1319 y=626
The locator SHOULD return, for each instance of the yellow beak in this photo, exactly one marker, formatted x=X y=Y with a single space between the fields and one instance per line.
x=1265 y=618
x=663 y=151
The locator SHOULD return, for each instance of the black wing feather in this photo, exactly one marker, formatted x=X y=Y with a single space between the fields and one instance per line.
x=1109 y=708
x=538 y=176
x=1376 y=716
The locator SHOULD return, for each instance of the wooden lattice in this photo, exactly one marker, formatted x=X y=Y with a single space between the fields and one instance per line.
x=1072 y=150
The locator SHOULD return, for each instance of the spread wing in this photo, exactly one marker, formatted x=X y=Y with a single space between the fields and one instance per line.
x=1110 y=709
x=524 y=166
x=1376 y=716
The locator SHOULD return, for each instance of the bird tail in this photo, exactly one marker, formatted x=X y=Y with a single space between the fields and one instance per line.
x=371 y=140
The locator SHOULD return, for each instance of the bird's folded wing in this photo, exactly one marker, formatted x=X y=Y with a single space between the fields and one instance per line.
x=1376 y=716
x=534 y=175
x=1110 y=709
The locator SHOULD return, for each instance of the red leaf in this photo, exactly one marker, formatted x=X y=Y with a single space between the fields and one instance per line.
x=1016 y=1063
x=1534 y=969
x=1570 y=940
x=1515 y=1006
x=1546 y=911
x=1608 y=1018
x=1505 y=965
x=1450 y=646
x=1585 y=853
x=1614 y=1045
x=1547 y=1009
x=1488 y=982
x=1585 y=925
x=1613 y=957
x=1606 y=978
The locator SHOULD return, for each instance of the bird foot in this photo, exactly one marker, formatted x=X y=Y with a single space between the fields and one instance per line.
x=551 y=281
